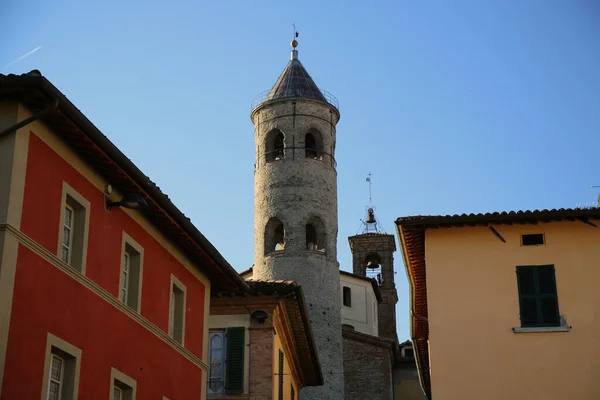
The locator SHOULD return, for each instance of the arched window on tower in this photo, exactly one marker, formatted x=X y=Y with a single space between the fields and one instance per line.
x=310 y=146
x=315 y=234
x=313 y=146
x=274 y=146
x=373 y=267
x=274 y=236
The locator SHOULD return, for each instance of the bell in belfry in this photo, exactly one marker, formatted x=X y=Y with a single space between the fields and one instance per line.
x=371 y=217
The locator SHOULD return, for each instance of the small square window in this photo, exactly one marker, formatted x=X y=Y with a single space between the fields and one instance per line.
x=534 y=239
x=347 y=296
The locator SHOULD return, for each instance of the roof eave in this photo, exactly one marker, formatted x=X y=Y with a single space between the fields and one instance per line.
x=520 y=217
x=71 y=112
x=422 y=373
x=299 y=294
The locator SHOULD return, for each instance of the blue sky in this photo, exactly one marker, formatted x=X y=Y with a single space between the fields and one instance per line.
x=463 y=106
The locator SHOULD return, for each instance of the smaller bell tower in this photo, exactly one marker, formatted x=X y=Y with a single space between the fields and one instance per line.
x=373 y=257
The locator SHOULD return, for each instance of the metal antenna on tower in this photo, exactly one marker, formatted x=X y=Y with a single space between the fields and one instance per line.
x=369 y=180
x=370 y=224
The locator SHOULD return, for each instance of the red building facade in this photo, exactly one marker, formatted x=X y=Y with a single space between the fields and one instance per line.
x=95 y=301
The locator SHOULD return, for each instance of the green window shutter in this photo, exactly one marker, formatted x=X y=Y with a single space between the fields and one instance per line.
x=280 y=375
x=293 y=392
x=538 y=300
x=548 y=296
x=527 y=296
x=236 y=344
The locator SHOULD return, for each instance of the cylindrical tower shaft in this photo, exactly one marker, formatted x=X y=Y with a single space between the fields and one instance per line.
x=296 y=219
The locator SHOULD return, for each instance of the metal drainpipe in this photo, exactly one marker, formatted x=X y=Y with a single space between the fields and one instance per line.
x=29 y=120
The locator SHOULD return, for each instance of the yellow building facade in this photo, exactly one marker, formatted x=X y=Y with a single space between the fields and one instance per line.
x=504 y=305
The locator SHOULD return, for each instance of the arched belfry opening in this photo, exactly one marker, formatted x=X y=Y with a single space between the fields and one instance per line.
x=310 y=146
x=315 y=234
x=372 y=265
x=275 y=146
x=274 y=236
x=313 y=145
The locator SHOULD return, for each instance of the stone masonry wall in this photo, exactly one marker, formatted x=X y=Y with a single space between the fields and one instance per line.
x=367 y=371
x=296 y=189
x=384 y=246
x=261 y=358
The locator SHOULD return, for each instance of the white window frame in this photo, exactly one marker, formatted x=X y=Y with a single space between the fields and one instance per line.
x=117 y=389
x=60 y=380
x=71 y=365
x=125 y=276
x=68 y=247
x=80 y=222
x=124 y=383
x=131 y=273
x=175 y=283
x=223 y=333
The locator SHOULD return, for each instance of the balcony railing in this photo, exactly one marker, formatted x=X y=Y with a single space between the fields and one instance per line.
x=262 y=98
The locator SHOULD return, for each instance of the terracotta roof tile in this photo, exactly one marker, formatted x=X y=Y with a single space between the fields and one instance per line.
x=503 y=217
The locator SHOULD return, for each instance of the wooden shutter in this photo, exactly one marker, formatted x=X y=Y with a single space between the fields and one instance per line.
x=280 y=375
x=538 y=301
x=236 y=344
x=293 y=396
x=548 y=299
x=527 y=296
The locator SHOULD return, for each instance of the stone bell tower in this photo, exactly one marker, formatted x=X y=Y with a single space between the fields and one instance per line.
x=373 y=257
x=295 y=207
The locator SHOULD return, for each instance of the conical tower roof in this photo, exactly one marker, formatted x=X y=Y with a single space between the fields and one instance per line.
x=295 y=82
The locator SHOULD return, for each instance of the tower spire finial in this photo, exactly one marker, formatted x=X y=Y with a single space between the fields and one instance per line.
x=294 y=44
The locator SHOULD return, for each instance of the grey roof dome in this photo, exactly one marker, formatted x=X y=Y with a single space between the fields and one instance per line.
x=295 y=82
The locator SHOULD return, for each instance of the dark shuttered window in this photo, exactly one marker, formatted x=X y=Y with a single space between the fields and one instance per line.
x=538 y=300
x=293 y=392
x=280 y=375
x=234 y=383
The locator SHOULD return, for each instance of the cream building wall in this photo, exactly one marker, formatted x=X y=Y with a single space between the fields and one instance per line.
x=362 y=314
x=473 y=305
x=288 y=378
